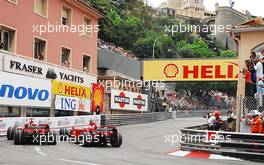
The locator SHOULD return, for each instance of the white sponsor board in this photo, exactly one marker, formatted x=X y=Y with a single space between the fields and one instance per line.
x=18 y=90
x=54 y=122
x=36 y=68
x=72 y=103
x=128 y=100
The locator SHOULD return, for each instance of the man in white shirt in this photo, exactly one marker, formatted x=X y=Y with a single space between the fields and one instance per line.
x=259 y=73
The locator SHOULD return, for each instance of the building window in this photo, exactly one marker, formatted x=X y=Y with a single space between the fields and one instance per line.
x=7 y=39
x=41 y=7
x=65 y=15
x=13 y=1
x=65 y=57
x=88 y=27
x=86 y=63
x=39 y=49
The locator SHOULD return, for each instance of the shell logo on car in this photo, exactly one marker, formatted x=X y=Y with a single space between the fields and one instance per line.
x=191 y=70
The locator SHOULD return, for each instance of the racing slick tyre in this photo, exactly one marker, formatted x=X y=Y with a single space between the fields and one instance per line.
x=63 y=133
x=85 y=139
x=103 y=141
x=52 y=138
x=10 y=133
x=19 y=137
x=116 y=141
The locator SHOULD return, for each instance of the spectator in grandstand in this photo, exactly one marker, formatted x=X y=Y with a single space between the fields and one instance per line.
x=116 y=49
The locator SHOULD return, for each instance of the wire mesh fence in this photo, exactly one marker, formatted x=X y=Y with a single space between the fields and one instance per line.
x=253 y=103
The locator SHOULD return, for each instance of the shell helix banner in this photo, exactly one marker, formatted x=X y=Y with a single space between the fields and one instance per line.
x=191 y=70
x=71 y=90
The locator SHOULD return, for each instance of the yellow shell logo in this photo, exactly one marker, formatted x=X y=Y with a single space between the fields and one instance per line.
x=98 y=97
x=171 y=70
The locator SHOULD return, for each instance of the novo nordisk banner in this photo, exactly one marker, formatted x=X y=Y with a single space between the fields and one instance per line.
x=72 y=103
x=128 y=100
x=18 y=90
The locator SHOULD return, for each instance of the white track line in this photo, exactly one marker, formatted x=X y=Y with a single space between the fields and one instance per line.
x=180 y=153
x=78 y=162
x=37 y=149
x=220 y=157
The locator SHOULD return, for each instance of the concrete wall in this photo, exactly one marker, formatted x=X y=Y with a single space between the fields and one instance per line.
x=228 y=16
x=119 y=63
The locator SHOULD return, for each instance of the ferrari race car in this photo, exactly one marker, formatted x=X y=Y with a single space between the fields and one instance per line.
x=86 y=137
x=33 y=134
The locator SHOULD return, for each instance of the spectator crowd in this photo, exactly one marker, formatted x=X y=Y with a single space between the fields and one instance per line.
x=215 y=99
x=115 y=49
x=254 y=76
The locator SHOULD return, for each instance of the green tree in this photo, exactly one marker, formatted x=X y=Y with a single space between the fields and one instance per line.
x=199 y=48
x=228 y=53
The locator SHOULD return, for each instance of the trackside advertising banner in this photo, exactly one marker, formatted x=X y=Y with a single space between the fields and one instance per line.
x=191 y=70
x=18 y=90
x=97 y=97
x=128 y=100
x=36 y=68
x=54 y=122
x=71 y=90
x=72 y=104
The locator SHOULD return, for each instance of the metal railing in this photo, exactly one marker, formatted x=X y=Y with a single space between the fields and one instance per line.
x=246 y=146
x=127 y=119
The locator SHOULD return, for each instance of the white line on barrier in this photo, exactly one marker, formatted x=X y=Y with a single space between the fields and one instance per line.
x=78 y=162
x=37 y=149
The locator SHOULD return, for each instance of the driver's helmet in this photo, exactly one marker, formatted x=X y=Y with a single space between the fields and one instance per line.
x=216 y=114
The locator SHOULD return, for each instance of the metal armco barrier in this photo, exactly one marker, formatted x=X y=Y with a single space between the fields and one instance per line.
x=240 y=145
x=195 y=113
x=126 y=119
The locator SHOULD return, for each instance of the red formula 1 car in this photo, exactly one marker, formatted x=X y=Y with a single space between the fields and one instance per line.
x=92 y=135
x=32 y=133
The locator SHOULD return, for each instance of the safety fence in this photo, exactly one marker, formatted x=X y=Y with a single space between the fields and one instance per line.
x=240 y=145
x=136 y=118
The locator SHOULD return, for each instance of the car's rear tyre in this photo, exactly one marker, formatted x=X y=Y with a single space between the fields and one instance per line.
x=116 y=141
x=85 y=139
x=10 y=133
x=63 y=133
x=19 y=137
x=52 y=138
